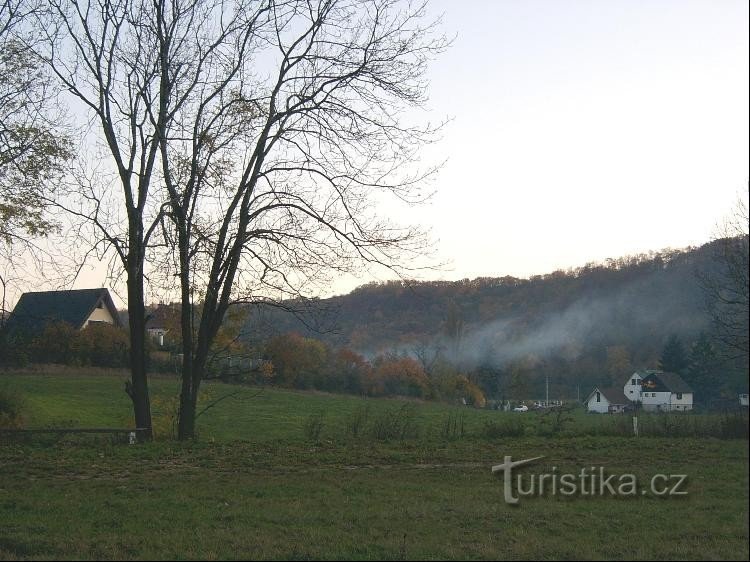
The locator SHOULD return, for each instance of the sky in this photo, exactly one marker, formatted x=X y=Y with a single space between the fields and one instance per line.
x=582 y=130
x=579 y=130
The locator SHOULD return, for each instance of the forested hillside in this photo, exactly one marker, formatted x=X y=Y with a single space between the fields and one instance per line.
x=593 y=324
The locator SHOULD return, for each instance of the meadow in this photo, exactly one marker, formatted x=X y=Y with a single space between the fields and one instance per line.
x=280 y=474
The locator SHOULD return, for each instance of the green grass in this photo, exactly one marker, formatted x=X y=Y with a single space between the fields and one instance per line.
x=255 y=486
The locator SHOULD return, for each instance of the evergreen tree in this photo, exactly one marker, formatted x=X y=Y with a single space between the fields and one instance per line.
x=702 y=372
x=673 y=357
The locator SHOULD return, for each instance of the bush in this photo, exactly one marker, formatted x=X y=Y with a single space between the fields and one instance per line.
x=504 y=427
x=396 y=424
x=102 y=345
x=734 y=426
x=12 y=407
x=357 y=422
x=454 y=426
x=164 y=414
x=313 y=427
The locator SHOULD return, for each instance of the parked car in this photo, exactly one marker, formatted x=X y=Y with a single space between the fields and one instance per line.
x=521 y=408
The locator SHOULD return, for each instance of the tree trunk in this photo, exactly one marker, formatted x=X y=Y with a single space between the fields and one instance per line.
x=186 y=419
x=189 y=400
x=138 y=386
x=189 y=390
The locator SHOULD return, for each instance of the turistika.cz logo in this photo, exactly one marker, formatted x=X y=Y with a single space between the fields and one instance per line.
x=590 y=481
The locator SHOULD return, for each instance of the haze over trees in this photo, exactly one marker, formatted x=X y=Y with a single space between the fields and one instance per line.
x=577 y=328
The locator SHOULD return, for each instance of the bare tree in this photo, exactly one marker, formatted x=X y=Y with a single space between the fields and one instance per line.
x=726 y=284
x=273 y=126
x=286 y=125
x=105 y=55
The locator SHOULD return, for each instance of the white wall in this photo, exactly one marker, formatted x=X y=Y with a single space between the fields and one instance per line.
x=633 y=391
x=593 y=406
x=100 y=315
x=666 y=401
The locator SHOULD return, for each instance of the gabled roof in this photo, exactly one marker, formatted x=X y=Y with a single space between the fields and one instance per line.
x=613 y=395
x=669 y=382
x=163 y=316
x=34 y=310
x=642 y=373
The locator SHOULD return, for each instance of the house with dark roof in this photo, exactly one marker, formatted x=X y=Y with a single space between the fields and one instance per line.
x=607 y=401
x=160 y=320
x=79 y=308
x=665 y=392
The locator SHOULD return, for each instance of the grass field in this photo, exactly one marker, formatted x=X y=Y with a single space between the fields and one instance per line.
x=293 y=475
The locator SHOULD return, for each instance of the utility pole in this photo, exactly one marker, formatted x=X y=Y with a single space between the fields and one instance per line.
x=546 y=384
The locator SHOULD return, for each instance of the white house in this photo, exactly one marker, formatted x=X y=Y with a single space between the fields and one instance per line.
x=665 y=392
x=744 y=399
x=606 y=401
x=632 y=388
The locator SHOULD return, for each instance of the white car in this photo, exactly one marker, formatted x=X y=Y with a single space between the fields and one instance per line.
x=521 y=408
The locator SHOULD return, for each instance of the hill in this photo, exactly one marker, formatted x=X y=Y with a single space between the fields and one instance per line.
x=580 y=326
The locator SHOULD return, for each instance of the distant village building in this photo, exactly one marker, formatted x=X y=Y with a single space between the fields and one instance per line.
x=158 y=321
x=666 y=392
x=632 y=388
x=607 y=401
x=78 y=308
x=744 y=399
x=651 y=390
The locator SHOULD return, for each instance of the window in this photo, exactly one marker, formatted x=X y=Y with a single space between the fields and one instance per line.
x=653 y=395
x=598 y=397
x=634 y=382
x=679 y=396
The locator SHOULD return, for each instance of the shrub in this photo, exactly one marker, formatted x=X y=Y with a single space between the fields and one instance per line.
x=454 y=425
x=102 y=345
x=357 y=422
x=164 y=414
x=554 y=420
x=12 y=407
x=313 y=427
x=733 y=426
x=504 y=427
x=395 y=424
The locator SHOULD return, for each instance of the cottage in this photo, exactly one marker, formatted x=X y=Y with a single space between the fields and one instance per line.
x=160 y=319
x=665 y=392
x=632 y=388
x=607 y=401
x=79 y=308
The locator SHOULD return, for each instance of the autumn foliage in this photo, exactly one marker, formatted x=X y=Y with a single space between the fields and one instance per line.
x=98 y=345
x=307 y=363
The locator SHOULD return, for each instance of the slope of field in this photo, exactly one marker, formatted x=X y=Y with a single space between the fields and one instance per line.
x=260 y=484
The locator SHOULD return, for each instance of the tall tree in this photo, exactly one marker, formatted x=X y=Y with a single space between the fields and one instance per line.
x=285 y=126
x=727 y=283
x=105 y=55
x=673 y=357
x=703 y=370
x=618 y=364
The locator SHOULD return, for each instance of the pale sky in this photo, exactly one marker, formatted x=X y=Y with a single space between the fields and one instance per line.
x=582 y=130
